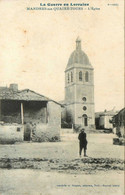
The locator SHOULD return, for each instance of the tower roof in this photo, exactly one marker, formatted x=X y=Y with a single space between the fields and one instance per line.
x=78 y=56
x=78 y=39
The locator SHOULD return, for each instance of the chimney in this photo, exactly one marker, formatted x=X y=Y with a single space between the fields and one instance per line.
x=14 y=86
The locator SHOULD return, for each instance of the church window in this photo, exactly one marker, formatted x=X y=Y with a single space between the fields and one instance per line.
x=86 y=76
x=80 y=76
x=84 y=108
x=84 y=99
x=68 y=77
x=71 y=77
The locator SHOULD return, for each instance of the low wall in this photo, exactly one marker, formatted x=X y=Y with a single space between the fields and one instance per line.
x=11 y=133
x=45 y=132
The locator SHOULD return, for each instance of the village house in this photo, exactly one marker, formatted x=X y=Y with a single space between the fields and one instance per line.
x=103 y=120
x=119 y=123
x=26 y=115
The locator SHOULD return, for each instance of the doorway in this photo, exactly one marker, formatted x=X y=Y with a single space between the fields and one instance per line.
x=27 y=132
x=85 y=120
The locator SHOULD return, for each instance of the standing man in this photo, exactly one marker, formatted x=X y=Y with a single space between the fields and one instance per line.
x=82 y=142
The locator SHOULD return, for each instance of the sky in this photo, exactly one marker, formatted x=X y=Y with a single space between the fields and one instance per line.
x=35 y=47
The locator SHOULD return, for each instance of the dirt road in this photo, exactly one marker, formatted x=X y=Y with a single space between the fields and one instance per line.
x=55 y=168
x=36 y=182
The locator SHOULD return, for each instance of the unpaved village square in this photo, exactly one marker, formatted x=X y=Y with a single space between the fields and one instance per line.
x=56 y=168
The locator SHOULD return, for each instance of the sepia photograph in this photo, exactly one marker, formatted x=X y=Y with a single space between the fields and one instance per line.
x=62 y=113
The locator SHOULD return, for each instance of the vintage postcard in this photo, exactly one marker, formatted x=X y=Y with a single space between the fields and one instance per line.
x=62 y=114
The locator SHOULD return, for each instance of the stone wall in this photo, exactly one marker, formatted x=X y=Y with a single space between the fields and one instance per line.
x=45 y=123
x=51 y=130
x=35 y=112
x=54 y=113
x=10 y=111
x=11 y=133
x=32 y=111
x=45 y=133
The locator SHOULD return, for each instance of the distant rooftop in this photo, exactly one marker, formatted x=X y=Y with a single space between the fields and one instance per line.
x=106 y=113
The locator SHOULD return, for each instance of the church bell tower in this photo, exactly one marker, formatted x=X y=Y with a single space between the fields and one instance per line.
x=79 y=89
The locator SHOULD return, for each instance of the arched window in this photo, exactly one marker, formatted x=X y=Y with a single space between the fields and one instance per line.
x=71 y=77
x=85 y=120
x=68 y=77
x=86 y=76
x=80 y=76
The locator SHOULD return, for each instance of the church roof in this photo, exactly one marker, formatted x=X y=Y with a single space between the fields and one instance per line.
x=78 y=56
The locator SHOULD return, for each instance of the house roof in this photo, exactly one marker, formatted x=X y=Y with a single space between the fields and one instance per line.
x=121 y=112
x=22 y=95
x=105 y=113
x=108 y=113
x=62 y=102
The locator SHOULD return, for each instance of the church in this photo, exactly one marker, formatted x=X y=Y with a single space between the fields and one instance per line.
x=79 y=89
